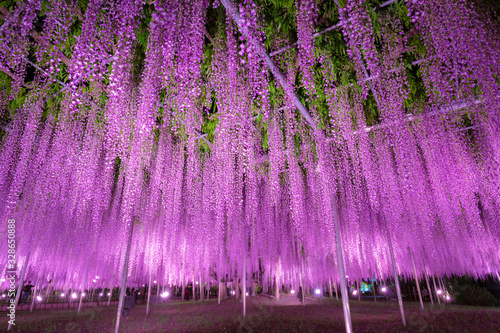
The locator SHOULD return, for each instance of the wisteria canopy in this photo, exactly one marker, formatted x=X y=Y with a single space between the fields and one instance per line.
x=218 y=134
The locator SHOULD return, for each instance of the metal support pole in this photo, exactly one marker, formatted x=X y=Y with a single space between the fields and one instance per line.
x=202 y=289
x=416 y=280
x=220 y=291
x=193 y=288
x=335 y=289
x=435 y=290
x=358 y=283
x=110 y=293
x=124 y=280
x=183 y=289
x=428 y=286
x=158 y=281
x=34 y=296
x=396 y=279
x=47 y=294
x=441 y=284
x=277 y=291
x=83 y=288
x=236 y=286
x=244 y=291
x=234 y=14
x=302 y=283
x=149 y=294
x=340 y=261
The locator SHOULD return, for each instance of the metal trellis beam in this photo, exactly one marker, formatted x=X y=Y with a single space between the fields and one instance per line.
x=269 y=62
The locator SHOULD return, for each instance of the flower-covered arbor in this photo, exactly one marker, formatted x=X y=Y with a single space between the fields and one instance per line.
x=295 y=141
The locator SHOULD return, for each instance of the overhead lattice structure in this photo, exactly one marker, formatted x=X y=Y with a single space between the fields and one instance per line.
x=217 y=133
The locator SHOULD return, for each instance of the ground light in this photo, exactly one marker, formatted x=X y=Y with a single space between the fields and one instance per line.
x=355 y=292
x=317 y=291
x=39 y=298
x=292 y=291
x=384 y=289
x=164 y=294
x=73 y=295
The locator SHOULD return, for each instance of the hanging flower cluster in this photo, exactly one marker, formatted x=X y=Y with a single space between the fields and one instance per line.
x=81 y=179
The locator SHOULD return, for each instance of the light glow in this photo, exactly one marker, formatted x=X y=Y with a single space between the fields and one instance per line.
x=439 y=292
x=292 y=291
x=384 y=289
x=355 y=292
x=62 y=295
x=165 y=294
x=317 y=291
x=39 y=298
x=73 y=295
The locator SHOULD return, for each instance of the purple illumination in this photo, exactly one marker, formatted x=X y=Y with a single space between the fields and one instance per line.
x=204 y=159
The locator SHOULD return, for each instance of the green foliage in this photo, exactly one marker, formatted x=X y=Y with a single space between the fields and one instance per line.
x=279 y=17
x=280 y=28
x=9 y=4
x=258 y=290
x=474 y=295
